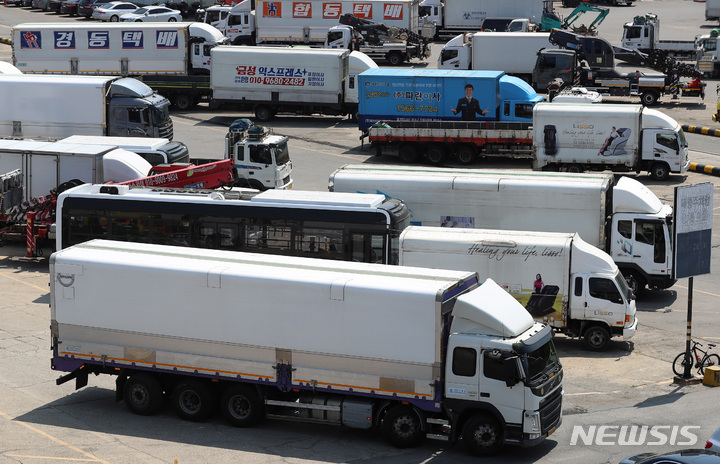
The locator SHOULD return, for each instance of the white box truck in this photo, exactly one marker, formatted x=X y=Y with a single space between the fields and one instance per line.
x=271 y=80
x=171 y=58
x=412 y=352
x=50 y=106
x=454 y=17
x=624 y=218
x=608 y=137
x=558 y=277
x=47 y=165
x=512 y=52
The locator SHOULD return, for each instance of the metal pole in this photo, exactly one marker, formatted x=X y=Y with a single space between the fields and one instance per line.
x=688 y=355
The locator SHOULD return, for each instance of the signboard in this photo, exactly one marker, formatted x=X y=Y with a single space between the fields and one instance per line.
x=693 y=229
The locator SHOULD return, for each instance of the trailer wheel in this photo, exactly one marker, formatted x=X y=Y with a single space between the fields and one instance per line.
x=401 y=427
x=264 y=113
x=241 y=406
x=659 y=171
x=482 y=435
x=184 y=102
x=466 y=154
x=435 y=154
x=394 y=58
x=408 y=153
x=143 y=394
x=597 y=338
x=193 y=400
x=649 y=97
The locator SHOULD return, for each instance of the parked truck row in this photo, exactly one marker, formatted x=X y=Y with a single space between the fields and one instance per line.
x=385 y=30
x=188 y=63
x=624 y=218
x=414 y=115
x=451 y=359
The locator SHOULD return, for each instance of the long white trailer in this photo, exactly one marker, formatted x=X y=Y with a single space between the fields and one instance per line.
x=363 y=345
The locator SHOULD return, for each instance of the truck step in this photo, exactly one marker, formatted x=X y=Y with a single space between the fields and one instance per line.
x=437 y=421
x=435 y=436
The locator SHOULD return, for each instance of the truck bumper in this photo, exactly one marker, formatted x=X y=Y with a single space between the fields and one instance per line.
x=684 y=168
x=628 y=332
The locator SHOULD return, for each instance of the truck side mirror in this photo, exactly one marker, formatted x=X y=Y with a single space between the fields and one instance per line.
x=511 y=374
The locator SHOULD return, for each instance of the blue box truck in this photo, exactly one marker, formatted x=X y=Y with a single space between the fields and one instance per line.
x=443 y=95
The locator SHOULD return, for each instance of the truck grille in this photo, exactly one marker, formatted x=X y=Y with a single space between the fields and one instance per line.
x=550 y=411
x=165 y=131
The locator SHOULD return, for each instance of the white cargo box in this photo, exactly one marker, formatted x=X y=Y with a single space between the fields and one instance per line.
x=272 y=74
x=374 y=327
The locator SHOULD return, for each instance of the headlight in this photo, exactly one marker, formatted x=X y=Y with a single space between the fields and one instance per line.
x=531 y=424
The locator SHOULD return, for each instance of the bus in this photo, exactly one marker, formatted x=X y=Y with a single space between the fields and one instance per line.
x=340 y=226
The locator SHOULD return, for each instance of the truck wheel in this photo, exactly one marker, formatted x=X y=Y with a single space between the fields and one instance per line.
x=401 y=427
x=394 y=58
x=435 y=154
x=482 y=435
x=184 y=102
x=193 y=400
x=143 y=394
x=659 y=171
x=574 y=169
x=466 y=155
x=597 y=338
x=263 y=113
x=634 y=281
x=649 y=97
x=241 y=406
x=408 y=153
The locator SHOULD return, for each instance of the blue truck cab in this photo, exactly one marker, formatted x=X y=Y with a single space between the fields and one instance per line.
x=387 y=94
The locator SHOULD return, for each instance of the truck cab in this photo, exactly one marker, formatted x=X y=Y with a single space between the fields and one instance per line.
x=134 y=110
x=642 y=227
x=262 y=158
x=236 y=23
x=203 y=38
x=707 y=54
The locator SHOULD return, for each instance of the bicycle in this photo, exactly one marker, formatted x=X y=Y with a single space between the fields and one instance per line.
x=707 y=360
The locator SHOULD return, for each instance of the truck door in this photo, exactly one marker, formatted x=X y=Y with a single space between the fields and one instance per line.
x=663 y=146
x=644 y=242
x=600 y=298
x=200 y=58
x=478 y=375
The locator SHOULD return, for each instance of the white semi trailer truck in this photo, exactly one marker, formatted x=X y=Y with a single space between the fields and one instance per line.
x=413 y=352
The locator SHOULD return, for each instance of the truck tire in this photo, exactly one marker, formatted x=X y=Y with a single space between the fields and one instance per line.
x=435 y=154
x=263 y=113
x=649 y=97
x=634 y=281
x=184 y=102
x=241 y=406
x=192 y=400
x=482 y=435
x=143 y=394
x=401 y=427
x=408 y=153
x=659 y=171
x=394 y=58
x=574 y=169
x=597 y=338
x=466 y=154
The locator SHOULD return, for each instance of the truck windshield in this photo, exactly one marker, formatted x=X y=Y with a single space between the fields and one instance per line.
x=623 y=286
x=161 y=114
x=681 y=139
x=541 y=361
x=282 y=155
